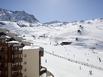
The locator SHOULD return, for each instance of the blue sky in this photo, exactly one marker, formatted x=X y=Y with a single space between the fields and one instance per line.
x=62 y=10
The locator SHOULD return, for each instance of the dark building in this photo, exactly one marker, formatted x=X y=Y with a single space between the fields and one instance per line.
x=10 y=59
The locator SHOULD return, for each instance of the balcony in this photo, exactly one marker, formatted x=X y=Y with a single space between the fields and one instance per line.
x=16 y=67
x=2 y=59
x=3 y=50
x=17 y=60
x=17 y=45
x=3 y=68
x=17 y=52
x=3 y=75
x=17 y=74
x=2 y=53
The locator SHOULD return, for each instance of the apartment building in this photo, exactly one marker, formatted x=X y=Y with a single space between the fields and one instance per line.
x=32 y=61
x=17 y=60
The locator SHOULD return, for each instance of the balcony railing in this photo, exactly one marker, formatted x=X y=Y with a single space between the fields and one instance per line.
x=3 y=68
x=3 y=75
x=17 y=52
x=2 y=59
x=17 y=74
x=16 y=60
x=16 y=67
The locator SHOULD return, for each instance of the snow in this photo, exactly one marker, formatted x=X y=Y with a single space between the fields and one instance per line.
x=82 y=58
x=30 y=47
x=13 y=42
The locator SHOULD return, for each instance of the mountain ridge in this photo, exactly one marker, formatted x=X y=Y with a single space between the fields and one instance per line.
x=8 y=15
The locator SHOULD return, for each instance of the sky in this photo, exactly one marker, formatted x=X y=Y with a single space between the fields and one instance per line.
x=61 y=10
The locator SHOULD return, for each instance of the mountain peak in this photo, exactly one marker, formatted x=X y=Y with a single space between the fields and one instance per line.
x=7 y=15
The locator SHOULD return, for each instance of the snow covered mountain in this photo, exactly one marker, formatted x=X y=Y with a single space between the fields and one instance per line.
x=72 y=49
x=7 y=15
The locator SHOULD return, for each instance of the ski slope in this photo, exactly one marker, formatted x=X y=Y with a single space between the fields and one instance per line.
x=82 y=58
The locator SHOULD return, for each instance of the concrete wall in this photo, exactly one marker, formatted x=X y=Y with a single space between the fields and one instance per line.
x=30 y=63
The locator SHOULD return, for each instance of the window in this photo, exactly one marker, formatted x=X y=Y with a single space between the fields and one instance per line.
x=25 y=62
x=25 y=76
x=25 y=55
x=25 y=69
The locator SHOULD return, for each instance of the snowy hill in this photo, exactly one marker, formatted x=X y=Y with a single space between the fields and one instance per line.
x=55 y=23
x=71 y=49
x=7 y=15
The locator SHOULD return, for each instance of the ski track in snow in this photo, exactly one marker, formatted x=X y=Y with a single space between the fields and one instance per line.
x=74 y=61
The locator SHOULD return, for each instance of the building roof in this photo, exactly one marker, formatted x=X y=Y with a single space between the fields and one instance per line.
x=30 y=47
